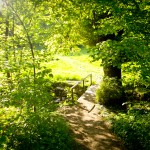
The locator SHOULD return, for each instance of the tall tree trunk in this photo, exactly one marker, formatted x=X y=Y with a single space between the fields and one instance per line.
x=28 y=38
x=29 y=42
x=6 y=48
x=13 y=34
x=112 y=71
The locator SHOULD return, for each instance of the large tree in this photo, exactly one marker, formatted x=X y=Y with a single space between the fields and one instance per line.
x=117 y=31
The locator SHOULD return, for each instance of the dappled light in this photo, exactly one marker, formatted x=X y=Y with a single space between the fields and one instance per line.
x=74 y=74
x=89 y=128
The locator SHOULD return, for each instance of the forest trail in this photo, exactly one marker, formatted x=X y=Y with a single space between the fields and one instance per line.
x=89 y=128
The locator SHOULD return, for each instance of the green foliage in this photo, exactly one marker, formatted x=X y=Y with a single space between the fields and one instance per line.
x=136 y=74
x=133 y=128
x=50 y=26
x=42 y=130
x=110 y=92
x=135 y=79
x=23 y=91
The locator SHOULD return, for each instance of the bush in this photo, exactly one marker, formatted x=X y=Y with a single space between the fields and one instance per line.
x=133 y=128
x=110 y=92
x=39 y=132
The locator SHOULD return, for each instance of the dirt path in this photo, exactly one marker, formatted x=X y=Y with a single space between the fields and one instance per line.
x=89 y=128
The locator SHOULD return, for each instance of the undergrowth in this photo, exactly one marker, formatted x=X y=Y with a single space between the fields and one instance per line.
x=133 y=127
x=40 y=131
x=110 y=92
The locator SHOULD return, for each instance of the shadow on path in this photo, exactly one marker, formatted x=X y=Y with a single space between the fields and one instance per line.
x=89 y=128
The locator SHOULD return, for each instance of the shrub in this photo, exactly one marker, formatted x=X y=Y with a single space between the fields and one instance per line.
x=40 y=132
x=133 y=128
x=110 y=92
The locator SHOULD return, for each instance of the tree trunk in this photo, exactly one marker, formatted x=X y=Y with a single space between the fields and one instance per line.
x=111 y=71
x=6 y=49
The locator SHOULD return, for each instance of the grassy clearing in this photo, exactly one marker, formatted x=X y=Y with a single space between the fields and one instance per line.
x=74 y=67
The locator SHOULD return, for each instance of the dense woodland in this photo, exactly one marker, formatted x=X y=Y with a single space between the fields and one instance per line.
x=32 y=32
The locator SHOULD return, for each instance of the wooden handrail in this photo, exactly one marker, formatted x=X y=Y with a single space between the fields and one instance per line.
x=81 y=81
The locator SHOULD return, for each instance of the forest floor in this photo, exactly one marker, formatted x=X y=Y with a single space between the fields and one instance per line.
x=88 y=126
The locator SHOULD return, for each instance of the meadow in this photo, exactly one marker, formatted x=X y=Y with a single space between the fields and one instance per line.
x=74 y=67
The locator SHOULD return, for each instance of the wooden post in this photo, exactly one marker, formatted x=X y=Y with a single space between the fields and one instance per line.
x=91 y=79
x=83 y=84
x=72 y=94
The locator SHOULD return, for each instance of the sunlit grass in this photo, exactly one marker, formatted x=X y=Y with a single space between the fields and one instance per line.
x=74 y=67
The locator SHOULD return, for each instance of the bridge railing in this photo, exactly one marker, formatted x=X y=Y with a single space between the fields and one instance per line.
x=83 y=85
